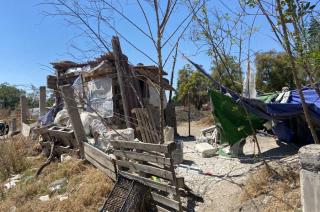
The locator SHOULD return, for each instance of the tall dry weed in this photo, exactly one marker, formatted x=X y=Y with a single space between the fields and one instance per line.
x=13 y=153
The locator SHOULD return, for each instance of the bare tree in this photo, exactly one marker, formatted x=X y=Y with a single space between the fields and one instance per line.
x=97 y=19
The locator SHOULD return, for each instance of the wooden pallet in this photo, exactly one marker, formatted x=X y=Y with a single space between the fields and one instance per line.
x=146 y=125
x=151 y=165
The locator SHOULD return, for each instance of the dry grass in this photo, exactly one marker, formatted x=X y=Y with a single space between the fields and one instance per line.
x=4 y=114
x=86 y=188
x=282 y=189
x=209 y=120
x=13 y=154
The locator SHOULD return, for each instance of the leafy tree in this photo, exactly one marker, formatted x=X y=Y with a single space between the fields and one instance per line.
x=9 y=95
x=192 y=85
x=182 y=83
x=314 y=45
x=220 y=74
x=273 y=71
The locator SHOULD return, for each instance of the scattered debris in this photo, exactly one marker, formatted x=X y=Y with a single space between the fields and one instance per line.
x=44 y=198
x=57 y=185
x=12 y=181
x=206 y=150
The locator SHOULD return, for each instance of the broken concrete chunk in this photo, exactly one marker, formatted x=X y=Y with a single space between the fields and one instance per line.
x=44 y=198
x=206 y=150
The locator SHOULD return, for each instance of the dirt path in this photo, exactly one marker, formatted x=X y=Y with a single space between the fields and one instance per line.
x=219 y=179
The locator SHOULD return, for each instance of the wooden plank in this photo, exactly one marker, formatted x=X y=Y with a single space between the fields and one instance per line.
x=99 y=156
x=143 y=157
x=146 y=169
x=150 y=183
x=165 y=201
x=108 y=172
x=161 y=209
x=141 y=127
x=145 y=122
x=153 y=132
x=71 y=105
x=145 y=125
x=162 y=148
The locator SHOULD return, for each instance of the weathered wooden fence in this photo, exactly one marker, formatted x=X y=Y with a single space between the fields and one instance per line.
x=101 y=160
x=140 y=161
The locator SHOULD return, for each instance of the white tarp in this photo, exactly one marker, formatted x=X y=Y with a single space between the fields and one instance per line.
x=100 y=96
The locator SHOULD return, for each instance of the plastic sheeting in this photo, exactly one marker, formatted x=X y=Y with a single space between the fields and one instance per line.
x=100 y=97
x=154 y=98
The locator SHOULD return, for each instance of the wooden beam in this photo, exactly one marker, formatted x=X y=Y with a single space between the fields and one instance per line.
x=146 y=169
x=150 y=183
x=117 y=54
x=24 y=108
x=143 y=157
x=160 y=148
x=74 y=116
x=99 y=156
x=161 y=209
x=52 y=82
x=165 y=201
x=102 y=168
x=42 y=100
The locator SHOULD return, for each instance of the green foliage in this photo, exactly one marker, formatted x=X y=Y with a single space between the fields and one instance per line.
x=273 y=71
x=192 y=85
x=9 y=95
x=313 y=43
x=220 y=73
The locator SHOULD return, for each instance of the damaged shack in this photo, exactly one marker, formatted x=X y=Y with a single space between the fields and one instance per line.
x=97 y=90
x=107 y=112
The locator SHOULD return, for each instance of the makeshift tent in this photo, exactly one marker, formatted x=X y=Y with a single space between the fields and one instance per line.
x=233 y=119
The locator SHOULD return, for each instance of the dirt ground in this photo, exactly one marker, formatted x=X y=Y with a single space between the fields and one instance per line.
x=220 y=180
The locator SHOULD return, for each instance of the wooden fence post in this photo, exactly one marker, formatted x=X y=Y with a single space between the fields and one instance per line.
x=24 y=108
x=74 y=116
x=117 y=54
x=13 y=126
x=42 y=100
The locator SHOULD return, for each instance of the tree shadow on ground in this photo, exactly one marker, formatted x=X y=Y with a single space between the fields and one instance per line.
x=282 y=151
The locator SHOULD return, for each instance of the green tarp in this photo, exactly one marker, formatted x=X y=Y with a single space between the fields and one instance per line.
x=267 y=98
x=234 y=122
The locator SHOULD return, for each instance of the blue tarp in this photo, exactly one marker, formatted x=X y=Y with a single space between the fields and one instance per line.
x=293 y=107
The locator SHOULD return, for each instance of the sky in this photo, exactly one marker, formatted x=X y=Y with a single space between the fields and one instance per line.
x=30 y=40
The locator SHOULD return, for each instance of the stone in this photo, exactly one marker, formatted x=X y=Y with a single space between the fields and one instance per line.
x=168 y=134
x=206 y=150
x=310 y=157
x=13 y=209
x=310 y=177
x=57 y=185
x=62 y=197
x=65 y=157
x=44 y=198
